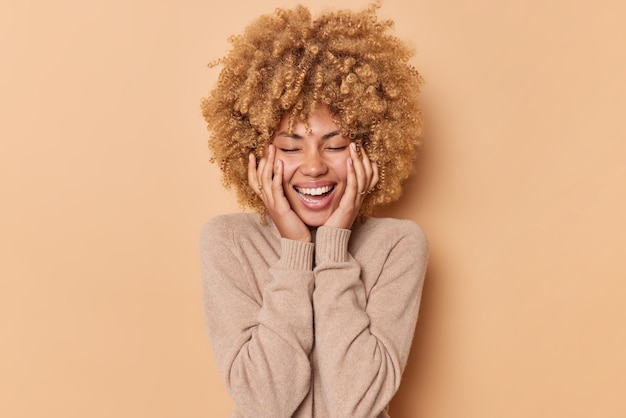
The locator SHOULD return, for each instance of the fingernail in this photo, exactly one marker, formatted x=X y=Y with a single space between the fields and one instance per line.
x=350 y=161
x=353 y=146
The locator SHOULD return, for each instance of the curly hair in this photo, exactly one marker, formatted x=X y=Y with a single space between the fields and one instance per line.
x=289 y=62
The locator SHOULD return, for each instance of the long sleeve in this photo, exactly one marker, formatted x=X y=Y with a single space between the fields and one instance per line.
x=363 y=334
x=261 y=335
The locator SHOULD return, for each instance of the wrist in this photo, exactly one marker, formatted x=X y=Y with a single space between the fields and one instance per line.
x=300 y=235
x=296 y=255
x=331 y=244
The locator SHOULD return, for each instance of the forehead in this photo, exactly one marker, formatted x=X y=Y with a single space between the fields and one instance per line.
x=318 y=123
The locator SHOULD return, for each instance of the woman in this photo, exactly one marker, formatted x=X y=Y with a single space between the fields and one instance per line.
x=310 y=304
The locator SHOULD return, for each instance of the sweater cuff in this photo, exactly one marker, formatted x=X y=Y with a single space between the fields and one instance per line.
x=296 y=255
x=331 y=244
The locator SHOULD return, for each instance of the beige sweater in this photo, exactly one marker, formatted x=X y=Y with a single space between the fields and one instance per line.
x=311 y=329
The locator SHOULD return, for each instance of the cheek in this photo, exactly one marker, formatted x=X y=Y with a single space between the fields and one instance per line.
x=339 y=166
x=289 y=169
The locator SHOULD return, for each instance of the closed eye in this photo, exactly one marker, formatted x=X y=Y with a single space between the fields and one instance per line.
x=289 y=150
x=337 y=148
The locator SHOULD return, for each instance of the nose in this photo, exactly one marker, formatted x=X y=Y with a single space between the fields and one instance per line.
x=313 y=164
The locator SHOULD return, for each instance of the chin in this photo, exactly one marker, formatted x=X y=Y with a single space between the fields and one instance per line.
x=314 y=222
x=313 y=219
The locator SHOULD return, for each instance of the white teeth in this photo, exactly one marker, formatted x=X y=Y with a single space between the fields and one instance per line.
x=316 y=191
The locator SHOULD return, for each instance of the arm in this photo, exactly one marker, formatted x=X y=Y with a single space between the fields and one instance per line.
x=262 y=344
x=363 y=341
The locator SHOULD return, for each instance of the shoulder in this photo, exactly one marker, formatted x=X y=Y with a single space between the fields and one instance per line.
x=225 y=224
x=392 y=228
x=224 y=228
x=237 y=231
x=229 y=221
x=391 y=233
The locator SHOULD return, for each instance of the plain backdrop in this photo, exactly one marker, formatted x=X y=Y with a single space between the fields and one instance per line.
x=105 y=184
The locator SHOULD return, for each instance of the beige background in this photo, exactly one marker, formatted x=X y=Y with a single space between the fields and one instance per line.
x=104 y=185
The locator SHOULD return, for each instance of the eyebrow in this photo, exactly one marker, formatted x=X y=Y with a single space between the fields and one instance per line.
x=296 y=136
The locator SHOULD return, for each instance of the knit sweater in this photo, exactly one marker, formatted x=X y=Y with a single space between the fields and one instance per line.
x=314 y=330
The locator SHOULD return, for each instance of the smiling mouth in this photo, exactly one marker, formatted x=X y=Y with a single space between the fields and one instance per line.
x=314 y=194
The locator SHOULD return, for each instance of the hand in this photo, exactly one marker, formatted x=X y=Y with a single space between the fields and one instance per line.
x=267 y=182
x=362 y=178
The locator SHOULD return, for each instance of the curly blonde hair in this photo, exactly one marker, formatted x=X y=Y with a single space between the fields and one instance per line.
x=288 y=62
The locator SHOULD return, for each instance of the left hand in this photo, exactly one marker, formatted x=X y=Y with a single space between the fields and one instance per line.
x=362 y=178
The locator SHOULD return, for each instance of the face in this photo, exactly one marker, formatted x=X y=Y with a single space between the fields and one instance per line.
x=315 y=172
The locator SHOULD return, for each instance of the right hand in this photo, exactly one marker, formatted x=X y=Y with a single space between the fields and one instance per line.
x=267 y=181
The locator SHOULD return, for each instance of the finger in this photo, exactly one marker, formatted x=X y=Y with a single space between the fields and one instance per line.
x=367 y=166
x=357 y=164
x=252 y=176
x=267 y=171
x=375 y=177
x=277 y=181
x=351 y=191
x=268 y=168
x=259 y=169
x=371 y=170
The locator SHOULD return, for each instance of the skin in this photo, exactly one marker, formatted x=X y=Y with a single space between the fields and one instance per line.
x=309 y=178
